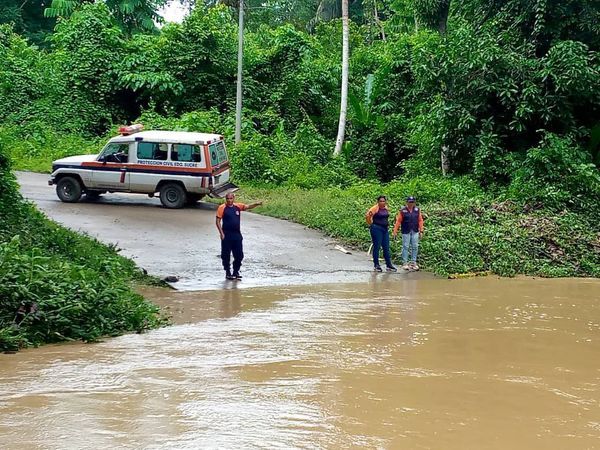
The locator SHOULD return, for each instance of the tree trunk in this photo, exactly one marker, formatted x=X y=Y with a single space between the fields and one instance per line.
x=377 y=21
x=432 y=15
x=238 y=97
x=344 y=102
x=445 y=157
x=443 y=17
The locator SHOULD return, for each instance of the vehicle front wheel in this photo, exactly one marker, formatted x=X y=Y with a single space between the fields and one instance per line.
x=69 y=189
x=172 y=195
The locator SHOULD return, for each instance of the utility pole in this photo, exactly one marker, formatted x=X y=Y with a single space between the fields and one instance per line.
x=238 y=100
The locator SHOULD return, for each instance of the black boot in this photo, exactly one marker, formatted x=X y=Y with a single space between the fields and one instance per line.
x=228 y=275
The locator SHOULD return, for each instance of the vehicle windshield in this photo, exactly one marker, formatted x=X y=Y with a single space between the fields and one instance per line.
x=115 y=152
x=218 y=154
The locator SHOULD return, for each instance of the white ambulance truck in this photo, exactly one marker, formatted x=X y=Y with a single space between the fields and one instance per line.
x=181 y=167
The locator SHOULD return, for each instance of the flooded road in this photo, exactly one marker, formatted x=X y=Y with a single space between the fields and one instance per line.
x=387 y=363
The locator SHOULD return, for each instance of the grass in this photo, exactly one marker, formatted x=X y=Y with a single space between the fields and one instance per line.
x=466 y=232
x=34 y=147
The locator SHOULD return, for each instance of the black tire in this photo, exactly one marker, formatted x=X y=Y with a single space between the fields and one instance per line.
x=69 y=189
x=93 y=195
x=172 y=195
x=192 y=199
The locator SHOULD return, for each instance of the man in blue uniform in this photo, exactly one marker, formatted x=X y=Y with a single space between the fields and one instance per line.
x=228 y=224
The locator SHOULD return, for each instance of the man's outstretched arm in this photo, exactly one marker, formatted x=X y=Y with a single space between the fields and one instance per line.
x=253 y=205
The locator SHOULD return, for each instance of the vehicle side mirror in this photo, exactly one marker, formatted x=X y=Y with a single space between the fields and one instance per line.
x=102 y=159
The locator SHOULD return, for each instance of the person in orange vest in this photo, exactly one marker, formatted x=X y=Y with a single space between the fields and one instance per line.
x=410 y=221
x=378 y=219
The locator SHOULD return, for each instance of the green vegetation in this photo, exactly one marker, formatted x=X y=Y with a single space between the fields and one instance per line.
x=487 y=111
x=57 y=285
x=467 y=230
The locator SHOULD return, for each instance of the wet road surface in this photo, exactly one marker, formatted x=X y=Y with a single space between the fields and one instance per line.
x=185 y=243
x=464 y=364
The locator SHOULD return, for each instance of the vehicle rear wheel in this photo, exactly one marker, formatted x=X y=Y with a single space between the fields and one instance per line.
x=69 y=189
x=172 y=195
x=192 y=199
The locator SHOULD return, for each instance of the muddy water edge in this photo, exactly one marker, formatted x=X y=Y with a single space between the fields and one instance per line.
x=391 y=363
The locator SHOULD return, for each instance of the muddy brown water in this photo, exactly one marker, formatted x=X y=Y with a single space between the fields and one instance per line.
x=389 y=363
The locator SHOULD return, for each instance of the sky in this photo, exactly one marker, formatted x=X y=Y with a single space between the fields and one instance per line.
x=174 y=11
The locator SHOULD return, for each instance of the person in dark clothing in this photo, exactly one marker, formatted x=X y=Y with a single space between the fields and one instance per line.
x=410 y=220
x=378 y=219
x=228 y=224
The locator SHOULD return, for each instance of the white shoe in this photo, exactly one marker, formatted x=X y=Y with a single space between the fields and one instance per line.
x=406 y=267
x=414 y=266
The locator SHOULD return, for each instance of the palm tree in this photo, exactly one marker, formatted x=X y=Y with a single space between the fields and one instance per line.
x=344 y=102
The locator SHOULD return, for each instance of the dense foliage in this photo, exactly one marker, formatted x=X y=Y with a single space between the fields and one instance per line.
x=505 y=92
x=56 y=285
x=501 y=79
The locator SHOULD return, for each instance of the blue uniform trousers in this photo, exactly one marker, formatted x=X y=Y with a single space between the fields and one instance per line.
x=232 y=245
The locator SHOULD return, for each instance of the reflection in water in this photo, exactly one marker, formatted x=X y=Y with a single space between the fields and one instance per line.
x=484 y=363
x=231 y=303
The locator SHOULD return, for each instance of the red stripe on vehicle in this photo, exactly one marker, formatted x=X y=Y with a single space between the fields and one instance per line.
x=149 y=167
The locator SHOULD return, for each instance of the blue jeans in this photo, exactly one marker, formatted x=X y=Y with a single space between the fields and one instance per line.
x=381 y=238
x=410 y=240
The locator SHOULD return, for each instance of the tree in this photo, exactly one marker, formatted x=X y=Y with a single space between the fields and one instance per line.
x=238 y=97
x=27 y=17
x=333 y=9
x=131 y=15
x=540 y=21
x=432 y=14
x=345 y=57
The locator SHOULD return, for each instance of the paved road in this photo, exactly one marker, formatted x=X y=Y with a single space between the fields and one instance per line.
x=185 y=242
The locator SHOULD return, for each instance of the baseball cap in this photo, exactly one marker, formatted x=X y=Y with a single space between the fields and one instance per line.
x=410 y=199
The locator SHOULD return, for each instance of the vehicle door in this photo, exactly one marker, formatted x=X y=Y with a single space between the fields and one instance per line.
x=219 y=162
x=111 y=170
x=151 y=166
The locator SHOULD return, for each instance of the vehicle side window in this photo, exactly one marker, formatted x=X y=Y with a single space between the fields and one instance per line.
x=214 y=156
x=115 y=152
x=221 y=151
x=217 y=152
x=186 y=153
x=152 y=150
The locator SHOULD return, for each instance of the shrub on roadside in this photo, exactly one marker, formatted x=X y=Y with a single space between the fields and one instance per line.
x=559 y=175
x=58 y=285
x=33 y=146
x=47 y=299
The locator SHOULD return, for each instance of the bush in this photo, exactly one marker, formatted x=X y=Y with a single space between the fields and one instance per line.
x=45 y=299
x=35 y=145
x=558 y=174
x=59 y=285
x=251 y=161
